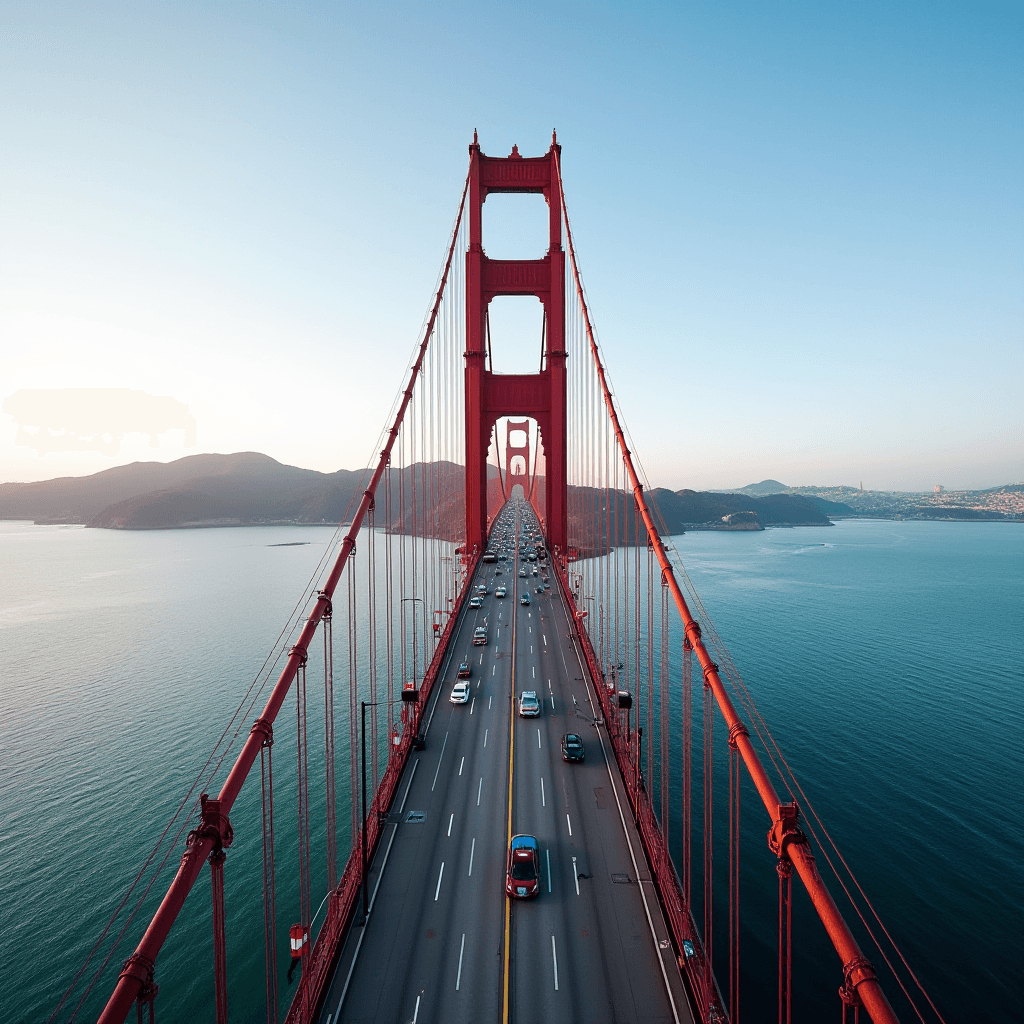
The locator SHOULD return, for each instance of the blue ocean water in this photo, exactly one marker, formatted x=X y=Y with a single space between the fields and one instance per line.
x=888 y=659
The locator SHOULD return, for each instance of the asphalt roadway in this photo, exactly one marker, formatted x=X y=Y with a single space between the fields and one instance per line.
x=442 y=942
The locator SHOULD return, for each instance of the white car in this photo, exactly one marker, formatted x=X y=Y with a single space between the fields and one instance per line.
x=460 y=693
x=529 y=706
x=476 y=602
x=500 y=592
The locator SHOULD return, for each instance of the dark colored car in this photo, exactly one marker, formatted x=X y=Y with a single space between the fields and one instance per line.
x=572 y=747
x=464 y=670
x=522 y=878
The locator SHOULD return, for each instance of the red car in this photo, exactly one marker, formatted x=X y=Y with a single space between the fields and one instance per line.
x=522 y=879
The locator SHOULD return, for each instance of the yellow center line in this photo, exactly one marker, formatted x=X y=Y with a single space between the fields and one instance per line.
x=508 y=837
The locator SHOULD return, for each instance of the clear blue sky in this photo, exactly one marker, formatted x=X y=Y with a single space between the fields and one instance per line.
x=800 y=224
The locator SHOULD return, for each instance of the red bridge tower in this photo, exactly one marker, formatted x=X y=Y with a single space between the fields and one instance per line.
x=489 y=396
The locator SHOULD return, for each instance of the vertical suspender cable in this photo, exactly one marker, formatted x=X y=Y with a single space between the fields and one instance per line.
x=687 y=819
x=269 y=896
x=663 y=708
x=305 y=911
x=332 y=829
x=785 y=872
x=734 y=882
x=709 y=889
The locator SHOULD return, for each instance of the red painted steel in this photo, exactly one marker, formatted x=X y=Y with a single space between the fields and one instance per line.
x=489 y=395
x=859 y=975
x=513 y=451
x=136 y=973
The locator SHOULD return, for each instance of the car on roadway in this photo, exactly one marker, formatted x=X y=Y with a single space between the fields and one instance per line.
x=464 y=670
x=572 y=747
x=522 y=876
x=498 y=572
x=480 y=636
x=460 y=693
x=481 y=588
x=525 y=599
x=500 y=592
x=529 y=705
x=540 y=590
x=534 y=573
x=476 y=602
x=522 y=574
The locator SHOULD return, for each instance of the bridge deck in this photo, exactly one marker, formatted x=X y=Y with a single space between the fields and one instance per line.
x=442 y=937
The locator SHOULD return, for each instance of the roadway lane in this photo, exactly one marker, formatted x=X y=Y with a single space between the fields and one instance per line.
x=434 y=946
x=583 y=950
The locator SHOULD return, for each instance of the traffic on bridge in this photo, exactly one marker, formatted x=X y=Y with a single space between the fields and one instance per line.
x=444 y=940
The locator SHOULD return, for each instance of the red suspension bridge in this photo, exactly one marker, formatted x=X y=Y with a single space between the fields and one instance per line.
x=510 y=509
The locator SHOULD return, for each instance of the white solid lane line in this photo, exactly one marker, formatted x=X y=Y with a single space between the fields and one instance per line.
x=440 y=875
x=462 y=949
x=439 y=760
x=472 y=850
x=554 y=961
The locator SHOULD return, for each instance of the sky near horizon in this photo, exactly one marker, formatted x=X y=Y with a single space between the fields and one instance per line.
x=799 y=223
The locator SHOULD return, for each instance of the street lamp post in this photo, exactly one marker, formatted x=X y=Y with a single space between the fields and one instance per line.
x=363 y=842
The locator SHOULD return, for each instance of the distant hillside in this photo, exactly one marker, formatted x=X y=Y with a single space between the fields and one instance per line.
x=251 y=489
x=761 y=489
x=241 y=489
x=687 y=509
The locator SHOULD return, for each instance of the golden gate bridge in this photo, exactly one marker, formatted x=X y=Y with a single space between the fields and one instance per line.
x=449 y=507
